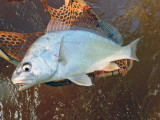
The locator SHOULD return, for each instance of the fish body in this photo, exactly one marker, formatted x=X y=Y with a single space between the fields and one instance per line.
x=70 y=54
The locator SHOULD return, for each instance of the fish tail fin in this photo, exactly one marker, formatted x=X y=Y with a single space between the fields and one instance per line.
x=133 y=48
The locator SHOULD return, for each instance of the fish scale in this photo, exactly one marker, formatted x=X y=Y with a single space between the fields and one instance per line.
x=29 y=38
x=78 y=56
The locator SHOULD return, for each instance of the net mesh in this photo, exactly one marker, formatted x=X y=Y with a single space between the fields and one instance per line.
x=15 y=44
x=78 y=16
x=71 y=16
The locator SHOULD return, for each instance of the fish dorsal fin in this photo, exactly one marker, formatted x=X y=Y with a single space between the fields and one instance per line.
x=56 y=25
x=62 y=56
x=66 y=17
x=78 y=16
x=111 y=67
x=82 y=80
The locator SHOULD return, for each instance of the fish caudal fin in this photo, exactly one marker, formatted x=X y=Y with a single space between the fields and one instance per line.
x=133 y=48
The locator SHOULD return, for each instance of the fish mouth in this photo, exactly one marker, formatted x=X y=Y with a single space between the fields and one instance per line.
x=23 y=87
x=23 y=82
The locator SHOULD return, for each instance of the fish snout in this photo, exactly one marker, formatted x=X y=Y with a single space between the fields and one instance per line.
x=16 y=73
x=20 y=80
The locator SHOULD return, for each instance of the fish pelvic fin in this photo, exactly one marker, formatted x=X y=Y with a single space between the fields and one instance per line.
x=133 y=48
x=82 y=80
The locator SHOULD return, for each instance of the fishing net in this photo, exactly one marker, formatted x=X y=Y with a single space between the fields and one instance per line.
x=15 y=44
x=70 y=16
x=78 y=16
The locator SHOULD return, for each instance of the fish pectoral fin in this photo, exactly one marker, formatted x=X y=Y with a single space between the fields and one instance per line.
x=62 y=57
x=82 y=80
x=111 y=67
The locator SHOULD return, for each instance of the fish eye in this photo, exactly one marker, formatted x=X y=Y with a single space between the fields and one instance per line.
x=26 y=67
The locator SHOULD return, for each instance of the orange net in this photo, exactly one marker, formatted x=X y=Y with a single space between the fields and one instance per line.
x=15 y=44
x=71 y=16
x=76 y=16
x=123 y=65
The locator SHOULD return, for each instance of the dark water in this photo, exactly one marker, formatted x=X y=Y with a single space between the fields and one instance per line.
x=133 y=97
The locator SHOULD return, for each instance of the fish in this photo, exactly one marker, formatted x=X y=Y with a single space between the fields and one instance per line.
x=14 y=45
x=70 y=54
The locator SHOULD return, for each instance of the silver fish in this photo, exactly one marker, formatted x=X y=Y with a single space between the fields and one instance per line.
x=70 y=54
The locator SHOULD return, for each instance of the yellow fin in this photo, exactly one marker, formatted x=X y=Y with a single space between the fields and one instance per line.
x=111 y=67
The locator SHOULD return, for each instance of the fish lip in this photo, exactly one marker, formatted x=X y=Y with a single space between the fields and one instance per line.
x=26 y=86
x=22 y=84
x=21 y=81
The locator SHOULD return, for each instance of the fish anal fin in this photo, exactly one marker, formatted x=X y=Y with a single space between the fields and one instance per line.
x=111 y=67
x=82 y=80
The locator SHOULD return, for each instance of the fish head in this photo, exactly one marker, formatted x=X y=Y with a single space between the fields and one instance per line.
x=34 y=69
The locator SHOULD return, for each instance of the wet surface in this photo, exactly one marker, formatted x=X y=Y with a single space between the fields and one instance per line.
x=133 y=97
